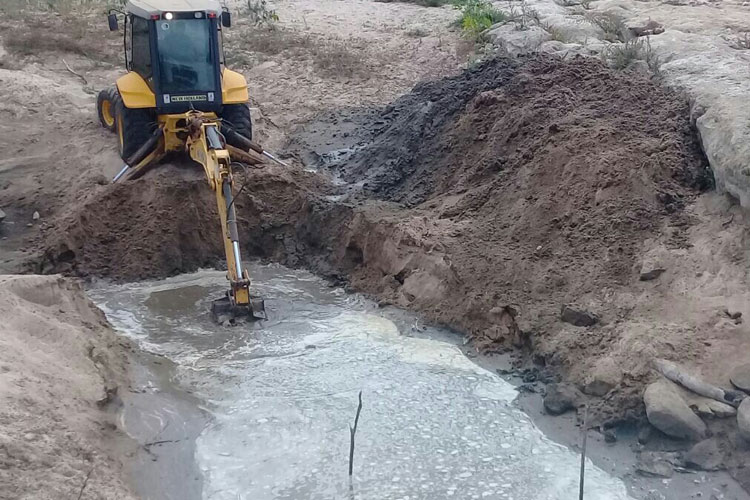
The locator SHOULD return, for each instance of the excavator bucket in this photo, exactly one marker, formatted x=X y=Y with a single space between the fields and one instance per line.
x=224 y=311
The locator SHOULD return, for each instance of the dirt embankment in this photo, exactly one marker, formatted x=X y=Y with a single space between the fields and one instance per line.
x=60 y=366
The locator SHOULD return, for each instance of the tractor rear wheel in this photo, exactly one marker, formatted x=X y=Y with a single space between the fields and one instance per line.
x=106 y=107
x=237 y=116
x=134 y=128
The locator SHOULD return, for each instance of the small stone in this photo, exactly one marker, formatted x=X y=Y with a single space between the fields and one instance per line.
x=645 y=433
x=667 y=411
x=2 y=215
x=597 y=387
x=610 y=436
x=35 y=216
x=29 y=225
x=740 y=377
x=578 y=317
x=654 y=464
x=29 y=436
x=654 y=261
x=561 y=398
x=743 y=419
x=654 y=495
x=705 y=456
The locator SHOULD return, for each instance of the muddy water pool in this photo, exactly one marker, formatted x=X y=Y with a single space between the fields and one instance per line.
x=278 y=397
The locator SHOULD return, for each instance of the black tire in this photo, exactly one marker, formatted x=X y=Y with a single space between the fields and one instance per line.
x=237 y=116
x=106 y=108
x=134 y=128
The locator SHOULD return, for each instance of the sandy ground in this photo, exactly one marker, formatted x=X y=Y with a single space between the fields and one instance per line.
x=59 y=361
x=329 y=61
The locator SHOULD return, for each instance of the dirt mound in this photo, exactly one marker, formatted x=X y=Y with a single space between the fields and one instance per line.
x=575 y=123
x=543 y=177
x=167 y=223
x=60 y=364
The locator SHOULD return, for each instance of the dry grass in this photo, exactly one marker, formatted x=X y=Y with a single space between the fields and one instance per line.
x=613 y=26
x=417 y=33
x=423 y=3
x=60 y=34
x=742 y=42
x=621 y=56
x=331 y=57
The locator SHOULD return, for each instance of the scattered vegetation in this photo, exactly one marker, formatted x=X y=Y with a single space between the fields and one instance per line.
x=742 y=42
x=42 y=33
x=259 y=12
x=424 y=3
x=417 y=33
x=556 y=33
x=478 y=15
x=622 y=56
x=613 y=26
x=331 y=57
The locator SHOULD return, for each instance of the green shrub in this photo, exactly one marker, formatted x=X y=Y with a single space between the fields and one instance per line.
x=479 y=15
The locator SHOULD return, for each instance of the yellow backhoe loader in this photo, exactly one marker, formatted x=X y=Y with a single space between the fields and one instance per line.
x=179 y=96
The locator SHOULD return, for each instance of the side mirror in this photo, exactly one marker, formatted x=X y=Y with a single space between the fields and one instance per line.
x=112 y=20
x=226 y=19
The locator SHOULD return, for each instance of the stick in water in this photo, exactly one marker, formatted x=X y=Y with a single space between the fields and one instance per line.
x=583 y=450
x=352 y=432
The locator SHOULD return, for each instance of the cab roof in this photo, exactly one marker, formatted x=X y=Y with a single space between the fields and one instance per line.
x=148 y=8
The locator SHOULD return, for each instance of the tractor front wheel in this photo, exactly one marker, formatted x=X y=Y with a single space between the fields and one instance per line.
x=106 y=107
x=134 y=128
x=237 y=116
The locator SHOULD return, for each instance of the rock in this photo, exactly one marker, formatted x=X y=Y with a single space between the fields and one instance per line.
x=650 y=28
x=710 y=408
x=2 y=215
x=732 y=315
x=578 y=317
x=655 y=464
x=667 y=411
x=654 y=263
x=645 y=433
x=654 y=495
x=35 y=216
x=610 y=436
x=743 y=419
x=705 y=455
x=740 y=377
x=561 y=398
x=605 y=376
x=514 y=42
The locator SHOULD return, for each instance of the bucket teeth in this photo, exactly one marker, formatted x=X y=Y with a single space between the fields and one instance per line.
x=225 y=312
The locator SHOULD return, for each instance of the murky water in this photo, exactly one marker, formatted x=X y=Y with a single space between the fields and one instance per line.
x=282 y=394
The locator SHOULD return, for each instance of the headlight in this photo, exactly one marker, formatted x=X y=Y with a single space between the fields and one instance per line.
x=168 y=16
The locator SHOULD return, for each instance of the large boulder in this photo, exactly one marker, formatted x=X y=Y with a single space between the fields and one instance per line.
x=740 y=377
x=561 y=398
x=743 y=419
x=667 y=411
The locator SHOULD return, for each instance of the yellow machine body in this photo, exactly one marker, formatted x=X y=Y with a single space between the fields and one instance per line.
x=136 y=94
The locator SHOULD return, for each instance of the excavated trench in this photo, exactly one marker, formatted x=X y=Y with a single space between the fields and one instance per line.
x=482 y=201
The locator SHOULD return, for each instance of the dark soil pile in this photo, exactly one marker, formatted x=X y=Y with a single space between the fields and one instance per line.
x=545 y=175
x=569 y=121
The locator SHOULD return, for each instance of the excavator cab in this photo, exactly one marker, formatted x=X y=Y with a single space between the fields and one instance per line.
x=179 y=97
